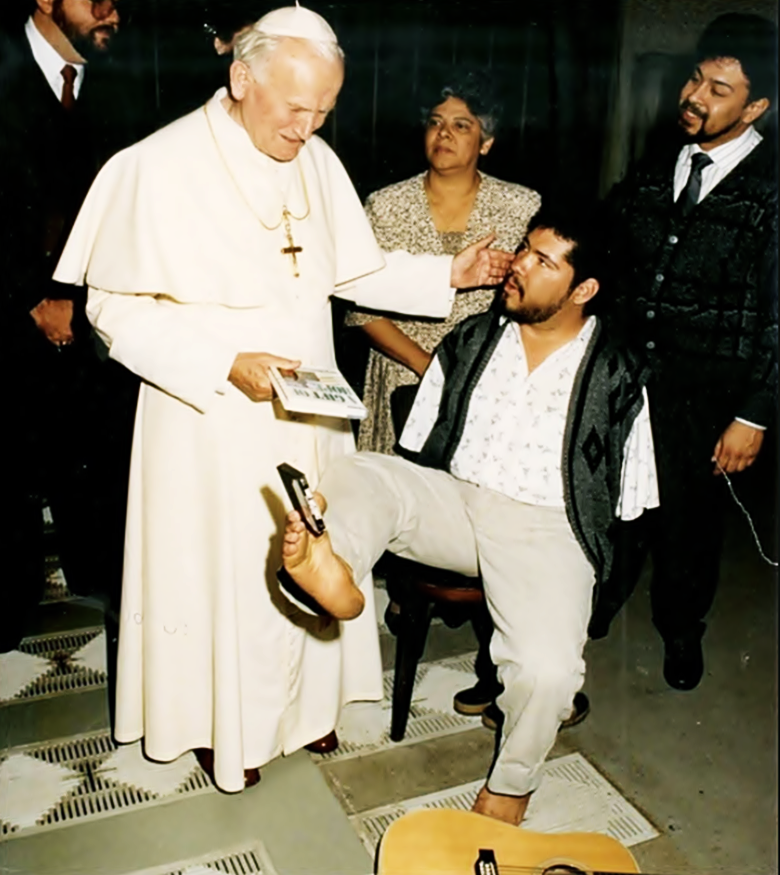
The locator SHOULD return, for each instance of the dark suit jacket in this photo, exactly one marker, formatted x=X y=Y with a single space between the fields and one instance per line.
x=700 y=294
x=48 y=159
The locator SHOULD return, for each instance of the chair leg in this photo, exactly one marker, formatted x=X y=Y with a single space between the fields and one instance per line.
x=415 y=619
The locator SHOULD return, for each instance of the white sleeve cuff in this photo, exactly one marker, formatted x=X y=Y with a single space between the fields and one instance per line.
x=751 y=424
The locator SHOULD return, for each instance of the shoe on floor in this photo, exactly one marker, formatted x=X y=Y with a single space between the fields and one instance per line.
x=493 y=717
x=683 y=663
x=475 y=699
x=580 y=709
x=327 y=744
x=205 y=758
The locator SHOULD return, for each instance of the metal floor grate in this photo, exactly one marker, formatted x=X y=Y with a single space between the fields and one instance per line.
x=97 y=795
x=573 y=797
x=64 y=676
x=247 y=860
x=423 y=724
x=51 y=646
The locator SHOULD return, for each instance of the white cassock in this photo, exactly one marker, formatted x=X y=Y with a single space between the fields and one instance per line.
x=182 y=276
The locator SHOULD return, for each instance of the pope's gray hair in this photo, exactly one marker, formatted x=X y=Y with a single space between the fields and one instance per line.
x=255 y=48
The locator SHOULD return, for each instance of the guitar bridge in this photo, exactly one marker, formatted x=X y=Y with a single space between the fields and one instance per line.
x=486 y=863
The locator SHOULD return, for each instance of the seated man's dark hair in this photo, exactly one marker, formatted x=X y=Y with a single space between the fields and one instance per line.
x=749 y=39
x=573 y=222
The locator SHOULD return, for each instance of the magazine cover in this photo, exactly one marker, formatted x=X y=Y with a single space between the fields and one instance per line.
x=319 y=391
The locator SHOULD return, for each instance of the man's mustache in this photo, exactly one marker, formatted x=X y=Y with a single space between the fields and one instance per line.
x=687 y=106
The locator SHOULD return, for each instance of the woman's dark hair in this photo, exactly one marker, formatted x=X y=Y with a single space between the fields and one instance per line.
x=476 y=89
x=749 y=39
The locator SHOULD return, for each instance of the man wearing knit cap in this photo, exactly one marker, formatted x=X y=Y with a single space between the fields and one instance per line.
x=211 y=250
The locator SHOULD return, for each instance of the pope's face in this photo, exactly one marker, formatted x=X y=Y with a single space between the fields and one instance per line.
x=289 y=99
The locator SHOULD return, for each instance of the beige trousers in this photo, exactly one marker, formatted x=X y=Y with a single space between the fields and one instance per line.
x=537 y=581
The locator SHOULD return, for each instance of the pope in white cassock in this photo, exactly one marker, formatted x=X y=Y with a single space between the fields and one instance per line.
x=211 y=249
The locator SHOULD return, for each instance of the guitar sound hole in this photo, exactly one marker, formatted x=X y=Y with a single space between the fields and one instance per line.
x=563 y=869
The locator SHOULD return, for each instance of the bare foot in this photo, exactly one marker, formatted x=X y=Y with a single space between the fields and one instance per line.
x=509 y=809
x=317 y=570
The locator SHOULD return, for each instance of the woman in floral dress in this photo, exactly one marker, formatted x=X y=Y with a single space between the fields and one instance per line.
x=440 y=211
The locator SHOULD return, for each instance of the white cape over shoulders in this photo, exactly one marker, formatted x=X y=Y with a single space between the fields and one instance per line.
x=182 y=277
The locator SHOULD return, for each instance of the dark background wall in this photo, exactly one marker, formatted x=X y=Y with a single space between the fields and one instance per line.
x=582 y=82
x=552 y=63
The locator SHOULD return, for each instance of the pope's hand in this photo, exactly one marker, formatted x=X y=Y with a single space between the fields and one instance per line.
x=477 y=266
x=250 y=373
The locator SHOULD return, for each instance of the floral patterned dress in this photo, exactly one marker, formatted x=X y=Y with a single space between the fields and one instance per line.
x=401 y=219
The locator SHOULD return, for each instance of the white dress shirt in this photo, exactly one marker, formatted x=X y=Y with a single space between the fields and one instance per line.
x=724 y=159
x=51 y=62
x=512 y=439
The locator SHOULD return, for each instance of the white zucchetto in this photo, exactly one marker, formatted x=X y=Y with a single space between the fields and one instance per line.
x=298 y=22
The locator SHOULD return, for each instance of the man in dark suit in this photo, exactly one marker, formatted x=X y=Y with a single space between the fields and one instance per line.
x=69 y=414
x=694 y=243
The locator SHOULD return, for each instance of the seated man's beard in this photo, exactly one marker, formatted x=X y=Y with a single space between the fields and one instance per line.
x=532 y=315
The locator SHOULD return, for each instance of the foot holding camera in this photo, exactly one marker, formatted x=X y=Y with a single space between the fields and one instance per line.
x=318 y=571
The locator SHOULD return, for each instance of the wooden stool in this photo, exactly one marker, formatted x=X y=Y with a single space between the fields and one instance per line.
x=421 y=591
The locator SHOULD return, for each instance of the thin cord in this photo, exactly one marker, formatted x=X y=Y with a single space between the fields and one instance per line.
x=749 y=519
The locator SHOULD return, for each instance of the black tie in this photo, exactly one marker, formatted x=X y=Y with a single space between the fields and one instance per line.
x=68 y=74
x=689 y=196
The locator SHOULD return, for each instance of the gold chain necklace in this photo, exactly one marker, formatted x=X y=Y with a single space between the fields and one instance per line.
x=291 y=249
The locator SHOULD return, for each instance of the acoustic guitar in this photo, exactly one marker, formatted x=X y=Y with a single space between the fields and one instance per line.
x=442 y=842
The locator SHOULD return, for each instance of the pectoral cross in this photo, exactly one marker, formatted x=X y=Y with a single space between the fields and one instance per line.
x=291 y=249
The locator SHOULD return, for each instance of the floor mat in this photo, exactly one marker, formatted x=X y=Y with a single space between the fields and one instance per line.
x=49 y=665
x=51 y=785
x=364 y=727
x=573 y=797
x=252 y=859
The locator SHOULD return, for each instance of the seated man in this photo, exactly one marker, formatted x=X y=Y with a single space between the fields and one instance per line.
x=530 y=433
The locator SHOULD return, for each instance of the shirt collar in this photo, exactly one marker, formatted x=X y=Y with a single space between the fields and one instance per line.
x=751 y=135
x=583 y=335
x=50 y=61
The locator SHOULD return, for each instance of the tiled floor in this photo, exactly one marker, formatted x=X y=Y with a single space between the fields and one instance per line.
x=698 y=768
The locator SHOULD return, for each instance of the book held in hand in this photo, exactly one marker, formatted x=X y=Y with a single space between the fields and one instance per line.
x=320 y=391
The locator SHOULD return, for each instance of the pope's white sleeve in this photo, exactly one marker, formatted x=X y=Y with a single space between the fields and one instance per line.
x=415 y=285
x=155 y=340
x=425 y=408
x=639 y=480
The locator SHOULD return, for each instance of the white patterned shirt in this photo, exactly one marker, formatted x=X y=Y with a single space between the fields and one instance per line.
x=512 y=439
